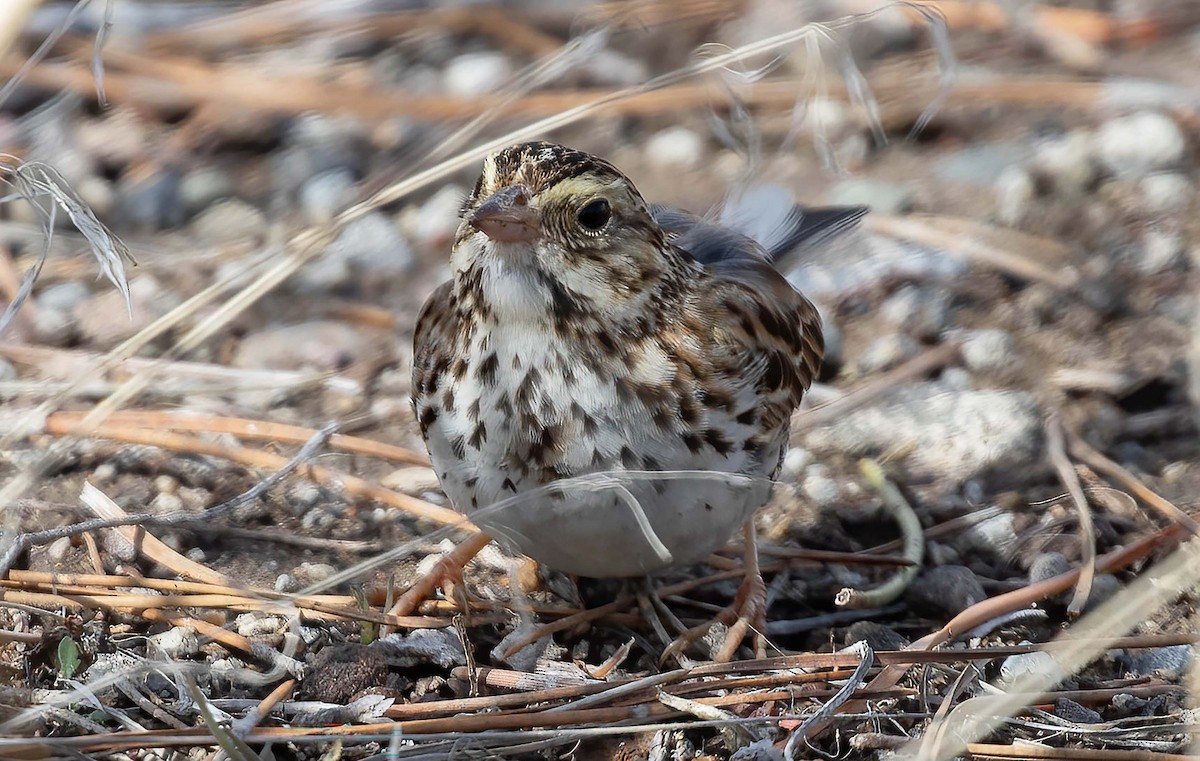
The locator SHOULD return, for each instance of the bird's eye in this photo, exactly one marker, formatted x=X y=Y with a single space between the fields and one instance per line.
x=595 y=215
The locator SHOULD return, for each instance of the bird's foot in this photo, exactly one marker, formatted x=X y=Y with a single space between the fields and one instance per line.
x=447 y=571
x=745 y=615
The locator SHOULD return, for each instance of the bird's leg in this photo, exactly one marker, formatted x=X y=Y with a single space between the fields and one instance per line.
x=748 y=610
x=448 y=570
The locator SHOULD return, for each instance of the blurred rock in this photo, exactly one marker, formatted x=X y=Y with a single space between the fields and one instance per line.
x=1165 y=192
x=796 y=460
x=993 y=537
x=64 y=296
x=150 y=201
x=202 y=187
x=675 y=148
x=878 y=636
x=1047 y=565
x=7 y=371
x=1161 y=251
x=116 y=139
x=323 y=196
x=420 y=647
x=819 y=485
x=1015 y=191
x=952 y=434
x=987 y=350
x=980 y=164
x=1037 y=663
x=228 y=221
x=882 y=197
x=945 y=591
x=1169 y=662
x=887 y=351
x=920 y=312
x=1140 y=143
x=1076 y=713
x=173 y=644
x=473 y=74
x=1105 y=586
x=368 y=249
x=318 y=345
x=313 y=573
x=105 y=320
x=1066 y=162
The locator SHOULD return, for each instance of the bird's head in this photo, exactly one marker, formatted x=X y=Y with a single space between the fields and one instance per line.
x=552 y=229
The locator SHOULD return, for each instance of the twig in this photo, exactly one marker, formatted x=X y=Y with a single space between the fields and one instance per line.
x=1056 y=450
x=863 y=650
x=914 y=545
x=1032 y=751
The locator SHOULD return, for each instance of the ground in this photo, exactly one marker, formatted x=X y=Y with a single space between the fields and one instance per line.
x=1012 y=367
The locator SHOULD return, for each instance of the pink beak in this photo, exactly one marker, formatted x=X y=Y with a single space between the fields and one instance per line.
x=506 y=217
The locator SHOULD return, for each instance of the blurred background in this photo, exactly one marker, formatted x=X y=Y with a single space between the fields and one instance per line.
x=287 y=177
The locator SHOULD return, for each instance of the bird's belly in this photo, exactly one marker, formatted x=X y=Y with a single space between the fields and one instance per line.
x=575 y=498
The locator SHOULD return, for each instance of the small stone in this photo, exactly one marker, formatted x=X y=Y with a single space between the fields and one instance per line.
x=956 y=379
x=301 y=497
x=150 y=202
x=993 y=536
x=1037 y=663
x=320 y=345
x=1169 y=662
x=1047 y=565
x=610 y=67
x=63 y=296
x=1105 y=586
x=881 y=197
x=57 y=551
x=313 y=573
x=988 y=350
x=818 y=486
x=1015 y=191
x=920 y=312
x=1165 y=192
x=166 y=484
x=1140 y=143
x=980 y=164
x=326 y=194
x=53 y=327
x=258 y=625
x=433 y=223
x=878 y=636
x=285 y=583
x=954 y=434
x=228 y=221
x=165 y=502
x=1075 y=713
x=796 y=460
x=1161 y=252
x=422 y=647
x=7 y=371
x=887 y=351
x=946 y=590
x=173 y=644
x=1066 y=161
x=196 y=555
x=201 y=188
x=675 y=148
x=105 y=319
x=473 y=74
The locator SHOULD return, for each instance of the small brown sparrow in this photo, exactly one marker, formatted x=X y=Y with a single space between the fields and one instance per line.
x=606 y=385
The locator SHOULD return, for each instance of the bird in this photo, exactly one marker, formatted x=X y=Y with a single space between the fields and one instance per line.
x=604 y=384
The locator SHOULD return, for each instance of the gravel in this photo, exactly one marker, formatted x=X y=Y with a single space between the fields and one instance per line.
x=1140 y=143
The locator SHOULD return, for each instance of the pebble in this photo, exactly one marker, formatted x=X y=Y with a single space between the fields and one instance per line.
x=955 y=434
x=1161 y=251
x=610 y=67
x=53 y=327
x=887 y=351
x=1047 y=565
x=57 y=551
x=675 y=148
x=1067 y=162
x=1037 y=663
x=920 y=312
x=326 y=194
x=150 y=202
x=105 y=319
x=1073 y=712
x=1015 y=191
x=258 y=625
x=819 y=486
x=201 y=188
x=7 y=371
x=322 y=345
x=228 y=221
x=301 y=497
x=173 y=644
x=164 y=502
x=1140 y=143
x=313 y=573
x=473 y=74
x=371 y=245
x=339 y=672
x=987 y=350
x=285 y=583
x=946 y=590
x=1169 y=662
x=878 y=636
x=993 y=536
x=796 y=460
x=420 y=647
x=1165 y=192
x=196 y=555
x=981 y=164
x=432 y=224
x=881 y=197
x=63 y=296
x=1105 y=586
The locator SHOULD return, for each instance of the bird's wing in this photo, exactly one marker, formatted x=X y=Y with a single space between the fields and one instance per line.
x=769 y=229
x=433 y=340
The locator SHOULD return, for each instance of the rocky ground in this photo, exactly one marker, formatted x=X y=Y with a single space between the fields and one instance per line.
x=1014 y=327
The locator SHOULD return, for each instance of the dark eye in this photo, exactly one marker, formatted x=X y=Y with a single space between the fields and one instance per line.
x=595 y=215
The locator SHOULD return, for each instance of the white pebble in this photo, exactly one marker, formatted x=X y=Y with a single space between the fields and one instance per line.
x=796 y=460
x=473 y=74
x=1140 y=143
x=675 y=148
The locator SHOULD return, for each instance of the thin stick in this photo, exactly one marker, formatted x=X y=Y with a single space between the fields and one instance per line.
x=1056 y=450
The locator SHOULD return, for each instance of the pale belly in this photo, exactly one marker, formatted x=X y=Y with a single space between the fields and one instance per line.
x=581 y=504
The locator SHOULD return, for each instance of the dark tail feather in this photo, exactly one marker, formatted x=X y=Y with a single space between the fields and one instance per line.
x=814 y=226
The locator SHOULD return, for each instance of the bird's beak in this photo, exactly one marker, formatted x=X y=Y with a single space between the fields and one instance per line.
x=506 y=216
